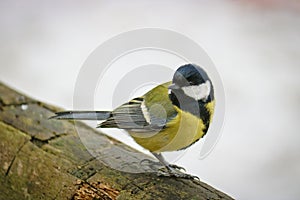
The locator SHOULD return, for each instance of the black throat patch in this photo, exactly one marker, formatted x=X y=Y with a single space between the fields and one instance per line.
x=188 y=104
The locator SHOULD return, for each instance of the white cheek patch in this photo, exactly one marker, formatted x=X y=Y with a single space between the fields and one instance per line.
x=197 y=92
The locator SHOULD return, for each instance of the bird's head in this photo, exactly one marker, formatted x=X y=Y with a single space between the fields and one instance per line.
x=191 y=82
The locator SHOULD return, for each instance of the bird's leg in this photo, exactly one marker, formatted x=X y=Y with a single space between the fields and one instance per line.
x=173 y=170
x=162 y=162
x=165 y=163
x=150 y=163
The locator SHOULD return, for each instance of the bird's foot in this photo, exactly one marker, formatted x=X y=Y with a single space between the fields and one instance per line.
x=152 y=164
x=175 y=172
x=159 y=165
x=176 y=167
x=170 y=170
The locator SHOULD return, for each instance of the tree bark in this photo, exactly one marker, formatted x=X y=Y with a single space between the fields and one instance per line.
x=45 y=159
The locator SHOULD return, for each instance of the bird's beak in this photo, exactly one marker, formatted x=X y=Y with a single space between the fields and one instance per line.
x=173 y=86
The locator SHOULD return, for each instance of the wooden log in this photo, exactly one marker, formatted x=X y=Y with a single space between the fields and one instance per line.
x=46 y=159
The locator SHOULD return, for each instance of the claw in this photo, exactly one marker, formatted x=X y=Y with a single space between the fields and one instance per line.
x=166 y=169
x=152 y=164
x=177 y=174
x=176 y=167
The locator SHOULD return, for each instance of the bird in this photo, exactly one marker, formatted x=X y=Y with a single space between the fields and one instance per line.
x=170 y=117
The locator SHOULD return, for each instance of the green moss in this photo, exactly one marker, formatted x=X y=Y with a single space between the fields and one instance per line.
x=71 y=148
x=11 y=140
x=38 y=173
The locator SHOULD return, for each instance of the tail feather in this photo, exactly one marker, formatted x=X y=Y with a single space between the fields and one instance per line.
x=82 y=115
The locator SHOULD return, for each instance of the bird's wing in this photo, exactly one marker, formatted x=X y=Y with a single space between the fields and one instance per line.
x=127 y=116
x=149 y=112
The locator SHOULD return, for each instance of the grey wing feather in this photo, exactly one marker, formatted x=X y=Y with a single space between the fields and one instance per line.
x=130 y=116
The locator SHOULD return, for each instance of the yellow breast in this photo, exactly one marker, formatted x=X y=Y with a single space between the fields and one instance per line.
x=180 y=132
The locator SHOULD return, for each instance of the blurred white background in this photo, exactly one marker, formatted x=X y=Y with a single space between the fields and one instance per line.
x=254 y=44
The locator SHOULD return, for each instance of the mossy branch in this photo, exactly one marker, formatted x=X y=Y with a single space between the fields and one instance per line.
x=45 y=159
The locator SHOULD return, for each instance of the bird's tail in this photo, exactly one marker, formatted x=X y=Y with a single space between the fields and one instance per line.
x=82 y=115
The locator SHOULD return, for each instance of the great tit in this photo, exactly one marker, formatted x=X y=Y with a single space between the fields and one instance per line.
x=170 y=117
